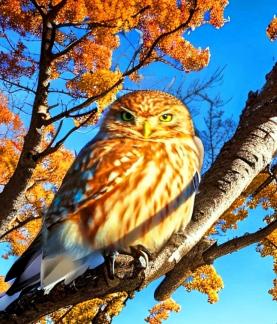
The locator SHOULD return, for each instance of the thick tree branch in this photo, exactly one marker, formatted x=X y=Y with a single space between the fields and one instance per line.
x=12 y=196
x=41 y=9
x=248 y=152
x=200 y=255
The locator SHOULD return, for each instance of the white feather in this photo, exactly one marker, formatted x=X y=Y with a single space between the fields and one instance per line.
x=65 y=268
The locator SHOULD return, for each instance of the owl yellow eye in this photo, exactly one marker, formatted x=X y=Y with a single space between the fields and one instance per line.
x=126 y=116
x=166 y=117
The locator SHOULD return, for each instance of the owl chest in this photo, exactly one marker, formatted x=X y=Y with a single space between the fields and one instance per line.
x=148 y=207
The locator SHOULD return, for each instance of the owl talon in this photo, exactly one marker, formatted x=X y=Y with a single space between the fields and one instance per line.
x=141 y=256
x=143 y=260
x=110 y=264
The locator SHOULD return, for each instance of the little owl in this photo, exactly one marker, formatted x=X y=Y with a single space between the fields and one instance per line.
x=132 y=186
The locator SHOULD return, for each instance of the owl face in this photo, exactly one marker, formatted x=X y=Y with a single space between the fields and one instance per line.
x=148 y=115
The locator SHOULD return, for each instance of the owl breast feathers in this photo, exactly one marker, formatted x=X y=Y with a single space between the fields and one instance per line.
x=133 y=184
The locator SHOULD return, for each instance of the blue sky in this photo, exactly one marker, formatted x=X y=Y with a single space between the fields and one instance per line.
x=247 y=54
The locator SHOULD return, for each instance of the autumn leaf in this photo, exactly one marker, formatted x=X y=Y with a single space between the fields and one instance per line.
x=161 y=311
x=271 y=30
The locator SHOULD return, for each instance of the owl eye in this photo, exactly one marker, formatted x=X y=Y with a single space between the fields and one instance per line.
x=126 y=116
x=166 y=117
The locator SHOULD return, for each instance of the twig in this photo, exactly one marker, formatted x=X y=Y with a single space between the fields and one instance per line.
x=19 y=225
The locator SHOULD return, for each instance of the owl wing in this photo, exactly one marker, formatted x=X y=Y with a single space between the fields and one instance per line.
x=100 y=168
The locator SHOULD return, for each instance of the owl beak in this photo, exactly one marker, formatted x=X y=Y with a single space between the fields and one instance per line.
x=147 y=131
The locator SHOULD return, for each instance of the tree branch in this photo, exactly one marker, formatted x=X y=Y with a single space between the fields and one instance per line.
x=201 y=255
x=247 y=153
x=12 y=196
x=19 y=225
x=16 y=84
x=90 y=25
x=71 y=46
x=51 y=149
x=42 y=11
x=238 y=243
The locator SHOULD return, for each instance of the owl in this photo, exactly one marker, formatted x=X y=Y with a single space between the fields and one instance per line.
x=132 y=186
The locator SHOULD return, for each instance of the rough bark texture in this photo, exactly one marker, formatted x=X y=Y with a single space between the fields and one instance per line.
x=11 y=197
x=248 y=152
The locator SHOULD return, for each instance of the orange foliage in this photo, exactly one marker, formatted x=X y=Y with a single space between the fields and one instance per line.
x=161 y=311
x=268 y=247
x=3 y=285
x=86 y=311
x=94 y=84
x=11 y=140
x=103 y=20
x=206 y=280
x=46 y=178
x=271 y=30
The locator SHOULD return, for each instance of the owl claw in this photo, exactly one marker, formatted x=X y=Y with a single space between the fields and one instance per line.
x=141 y=256
x=110 y=264
x=143 y=260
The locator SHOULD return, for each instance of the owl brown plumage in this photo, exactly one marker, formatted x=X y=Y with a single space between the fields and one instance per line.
x=133 y=184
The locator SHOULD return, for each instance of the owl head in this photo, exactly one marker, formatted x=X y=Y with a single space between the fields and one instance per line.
x=148 y=115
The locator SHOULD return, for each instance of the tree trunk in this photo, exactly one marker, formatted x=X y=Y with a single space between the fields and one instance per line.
x=12 y=196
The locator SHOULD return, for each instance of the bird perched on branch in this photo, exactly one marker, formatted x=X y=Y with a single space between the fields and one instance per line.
x=131 y=187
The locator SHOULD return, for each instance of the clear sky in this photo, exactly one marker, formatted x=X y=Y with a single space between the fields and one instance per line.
x=247 y=54
x=242 y=46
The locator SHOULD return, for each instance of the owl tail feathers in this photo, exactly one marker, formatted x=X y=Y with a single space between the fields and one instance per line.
x=66 y=268
x=60 y=268
x=6 y=300
x=27 y=279
x=45 y=273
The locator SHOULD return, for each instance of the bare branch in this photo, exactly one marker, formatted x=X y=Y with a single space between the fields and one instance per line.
x=16 y=84
x=55 y=136
x=88 y=24
x=238 y=243
x=51 y=150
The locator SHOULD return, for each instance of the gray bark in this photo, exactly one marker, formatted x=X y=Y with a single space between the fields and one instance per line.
x=12 y=196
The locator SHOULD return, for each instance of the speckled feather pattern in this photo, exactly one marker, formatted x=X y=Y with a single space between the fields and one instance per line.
x=124 y=190
x=133 y=184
